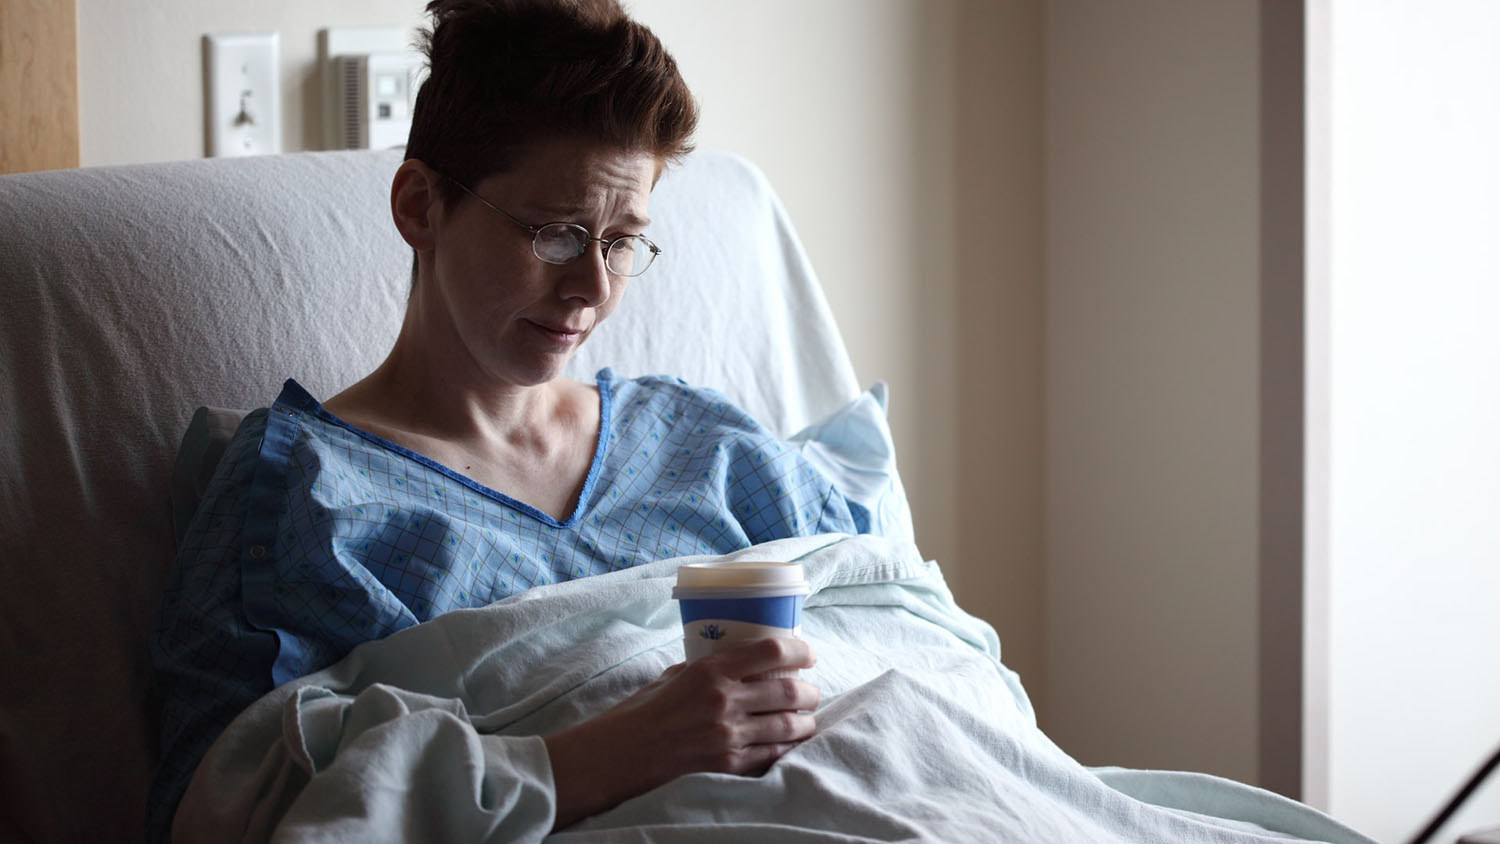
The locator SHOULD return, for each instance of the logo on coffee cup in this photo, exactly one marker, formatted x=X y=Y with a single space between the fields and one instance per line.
x=711 y=631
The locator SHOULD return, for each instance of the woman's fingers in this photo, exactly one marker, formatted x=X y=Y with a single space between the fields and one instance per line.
x=762 y=656
x=706 y=716
x=780 y=693
x=786 y=728
x=756 y=742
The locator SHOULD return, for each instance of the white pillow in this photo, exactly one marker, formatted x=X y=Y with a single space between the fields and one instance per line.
x=853 y=447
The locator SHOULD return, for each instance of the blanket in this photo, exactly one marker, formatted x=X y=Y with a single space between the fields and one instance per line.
x=923 y=733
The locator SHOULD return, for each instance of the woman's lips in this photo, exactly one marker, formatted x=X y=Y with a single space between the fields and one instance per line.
x=562 y=334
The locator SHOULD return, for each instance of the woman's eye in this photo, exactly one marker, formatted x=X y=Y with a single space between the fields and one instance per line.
x=561 y=239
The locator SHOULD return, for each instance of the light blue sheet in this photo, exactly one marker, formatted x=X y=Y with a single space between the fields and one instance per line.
x=315 y=536
x=923 y=733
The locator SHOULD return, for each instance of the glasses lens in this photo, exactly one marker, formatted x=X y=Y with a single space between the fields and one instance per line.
x=559 y=243
x=630 y=256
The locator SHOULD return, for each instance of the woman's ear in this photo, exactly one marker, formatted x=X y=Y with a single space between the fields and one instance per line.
x=416 y=203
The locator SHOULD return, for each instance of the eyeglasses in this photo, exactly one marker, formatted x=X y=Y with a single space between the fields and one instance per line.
x=559 y=243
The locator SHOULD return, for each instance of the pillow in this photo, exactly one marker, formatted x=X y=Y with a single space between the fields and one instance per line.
x=851 y=446
x=202 y=446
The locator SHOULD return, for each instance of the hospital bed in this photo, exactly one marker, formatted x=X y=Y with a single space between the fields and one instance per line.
x=133 y=295
x=142 y=302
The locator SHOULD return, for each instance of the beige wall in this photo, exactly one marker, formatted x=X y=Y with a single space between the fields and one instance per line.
x=998 y=330
x=140 y=68
x=1151 y=376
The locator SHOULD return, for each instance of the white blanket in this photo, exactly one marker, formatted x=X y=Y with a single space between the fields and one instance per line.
x=431 y=734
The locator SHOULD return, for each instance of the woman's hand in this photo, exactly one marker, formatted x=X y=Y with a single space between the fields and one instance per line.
x=717 y=714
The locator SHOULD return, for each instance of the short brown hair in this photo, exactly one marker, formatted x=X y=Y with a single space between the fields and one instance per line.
x=505 y=73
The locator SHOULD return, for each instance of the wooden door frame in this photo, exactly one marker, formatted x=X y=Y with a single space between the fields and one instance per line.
x=38 y=85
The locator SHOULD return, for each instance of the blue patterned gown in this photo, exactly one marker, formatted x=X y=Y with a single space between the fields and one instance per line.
x=315 y=536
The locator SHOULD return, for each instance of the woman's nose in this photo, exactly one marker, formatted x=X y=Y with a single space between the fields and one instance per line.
x=586 y=278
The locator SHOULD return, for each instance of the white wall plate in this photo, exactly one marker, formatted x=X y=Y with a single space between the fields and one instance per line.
x=345 y=41
x=242 y=87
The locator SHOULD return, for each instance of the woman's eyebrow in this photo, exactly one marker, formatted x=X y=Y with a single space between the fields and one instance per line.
x=568 y=212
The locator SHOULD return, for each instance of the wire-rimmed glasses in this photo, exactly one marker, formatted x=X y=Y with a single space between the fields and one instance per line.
x=559 y=243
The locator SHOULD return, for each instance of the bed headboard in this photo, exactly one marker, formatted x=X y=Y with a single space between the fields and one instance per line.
x=133 y=295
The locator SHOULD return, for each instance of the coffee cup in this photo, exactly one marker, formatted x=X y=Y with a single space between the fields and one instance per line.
x=726 y=603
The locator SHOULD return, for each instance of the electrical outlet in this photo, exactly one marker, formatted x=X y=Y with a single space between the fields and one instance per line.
x=335 y=42
x=242 y=77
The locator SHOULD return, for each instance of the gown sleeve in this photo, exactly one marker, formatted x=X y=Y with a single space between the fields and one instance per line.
x=209 y=664
x=214 y=663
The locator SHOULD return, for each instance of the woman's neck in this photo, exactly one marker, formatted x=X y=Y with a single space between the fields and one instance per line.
x=411 y=391
x=534 y=443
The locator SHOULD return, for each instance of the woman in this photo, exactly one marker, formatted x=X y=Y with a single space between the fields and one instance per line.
x=464 y=468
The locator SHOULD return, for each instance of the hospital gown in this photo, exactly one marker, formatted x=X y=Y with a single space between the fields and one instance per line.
x=315 y=536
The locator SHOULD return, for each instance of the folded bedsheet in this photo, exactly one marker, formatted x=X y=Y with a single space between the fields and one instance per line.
x=923 y=734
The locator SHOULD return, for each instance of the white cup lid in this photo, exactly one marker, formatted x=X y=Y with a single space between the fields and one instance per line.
x=740 y=579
